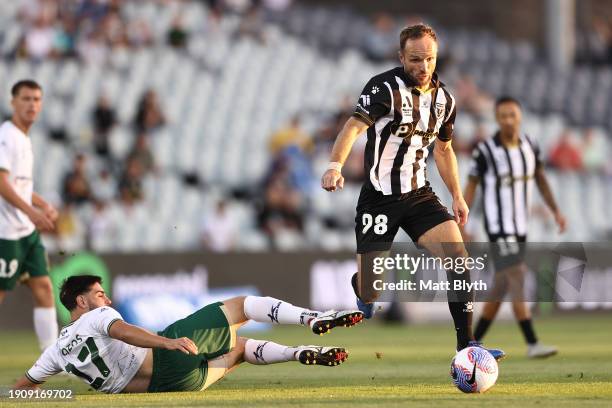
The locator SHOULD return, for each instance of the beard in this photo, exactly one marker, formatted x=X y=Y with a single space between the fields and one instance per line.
x=419 y=81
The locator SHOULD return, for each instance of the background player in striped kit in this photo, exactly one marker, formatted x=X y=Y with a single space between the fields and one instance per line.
x=403 y=111
x=506 y=166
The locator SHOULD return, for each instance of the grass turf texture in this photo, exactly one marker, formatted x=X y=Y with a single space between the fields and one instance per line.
x=389 y=366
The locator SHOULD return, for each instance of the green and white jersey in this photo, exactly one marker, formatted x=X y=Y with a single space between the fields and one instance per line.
x=17 y=158
x=85 y=349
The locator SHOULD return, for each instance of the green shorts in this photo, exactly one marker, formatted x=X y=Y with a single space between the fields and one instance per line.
x=24 y=256
x=210 y=331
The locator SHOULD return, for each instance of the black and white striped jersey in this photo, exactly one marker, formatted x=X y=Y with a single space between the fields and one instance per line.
x=506 y=175
x=403 y=122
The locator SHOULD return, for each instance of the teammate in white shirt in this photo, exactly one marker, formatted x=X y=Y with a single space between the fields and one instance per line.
x=113 y=356
x=23 y=213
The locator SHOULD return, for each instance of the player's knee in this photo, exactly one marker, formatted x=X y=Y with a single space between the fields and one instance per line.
x=240 y=344
x=455 y=250
x=236 y=356
x=42 y=290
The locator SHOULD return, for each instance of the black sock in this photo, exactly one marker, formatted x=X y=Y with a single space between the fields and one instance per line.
x=462 y=318
x=461 y=306
x=528 y=332
x=481 y=328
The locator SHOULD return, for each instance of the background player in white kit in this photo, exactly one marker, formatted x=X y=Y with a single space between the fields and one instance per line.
x=23 y=213
x=191 y=354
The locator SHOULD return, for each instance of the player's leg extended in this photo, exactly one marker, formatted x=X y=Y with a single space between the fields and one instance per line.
x=444 y=240
x=263 y=352
x=276 y=311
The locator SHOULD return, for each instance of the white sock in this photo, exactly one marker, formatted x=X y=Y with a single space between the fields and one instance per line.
x=261 y=352
x=45 y=326
x=268 y=309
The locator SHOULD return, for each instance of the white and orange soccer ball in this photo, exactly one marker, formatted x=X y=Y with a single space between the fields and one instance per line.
x=474 y=370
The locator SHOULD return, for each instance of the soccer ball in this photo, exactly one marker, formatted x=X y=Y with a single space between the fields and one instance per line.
x=474 y=369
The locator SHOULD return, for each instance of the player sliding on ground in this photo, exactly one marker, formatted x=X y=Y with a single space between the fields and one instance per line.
x=191 y=354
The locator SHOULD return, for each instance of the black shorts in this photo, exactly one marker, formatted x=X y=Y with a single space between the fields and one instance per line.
x=380 y=216
x=507 y=250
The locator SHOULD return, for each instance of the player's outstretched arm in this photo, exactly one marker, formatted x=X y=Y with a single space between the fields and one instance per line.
x=332 y=179
x=446 y=161
x=137 y=336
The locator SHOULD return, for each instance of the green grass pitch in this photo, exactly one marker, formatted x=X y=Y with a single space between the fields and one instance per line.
x=389 y=366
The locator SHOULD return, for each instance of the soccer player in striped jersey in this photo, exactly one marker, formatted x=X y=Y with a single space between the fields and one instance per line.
x=191 y=354
x=403 y=111
x=506 y=167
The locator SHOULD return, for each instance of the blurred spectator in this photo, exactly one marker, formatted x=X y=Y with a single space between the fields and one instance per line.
x=66 y=38
x=69 y=231
x=104 y=188
x=381 y=42
x=130 y=184
x=471 y=99
x=215 y=11
x=149 y=115
x=596 y=44
x=76 y=189
x=276 y=6
x=237 y=6
x=39 y=39
x=141 y=152
x=177 y=35
x=283 y=206
x=218 y=231
x=252 y=25
x=139 y=34
x=594 y=150
x=299 y=168
x=92 y=49
x=352 y=170
x=104 y=119
x=101 y=224
x=291 y=135
x=565 y=155
x=326 y=135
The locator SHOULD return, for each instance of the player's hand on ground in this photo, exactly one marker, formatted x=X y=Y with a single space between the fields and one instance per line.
x=332 y=180
x=461 y=211
x=41 y=221
x=561 y=221
x=182 y=344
